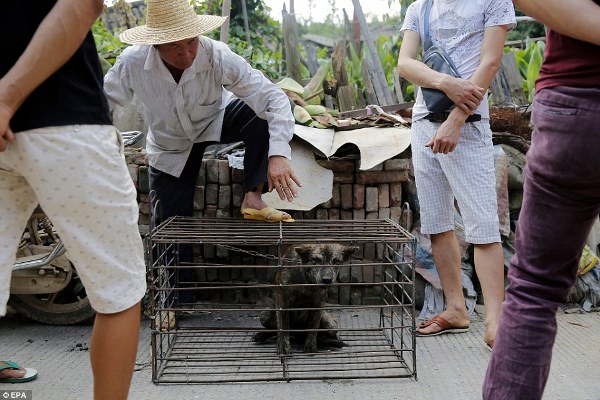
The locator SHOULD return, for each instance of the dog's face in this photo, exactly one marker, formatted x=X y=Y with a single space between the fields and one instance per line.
x=324 y=260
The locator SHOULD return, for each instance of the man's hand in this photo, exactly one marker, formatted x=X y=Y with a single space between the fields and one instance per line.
x=446 y=138
x=6 y=134
x=465 y=94
x=282 y=179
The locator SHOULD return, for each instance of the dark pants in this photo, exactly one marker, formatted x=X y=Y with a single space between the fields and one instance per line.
x=176 y=195
x=561 y=203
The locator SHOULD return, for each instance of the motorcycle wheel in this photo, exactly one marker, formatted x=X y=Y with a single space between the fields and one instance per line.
x=70 y=306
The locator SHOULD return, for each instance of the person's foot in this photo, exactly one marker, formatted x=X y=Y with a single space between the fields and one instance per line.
x=489 y=337
x=253 y=200
x=11 y=373
x=455 y=320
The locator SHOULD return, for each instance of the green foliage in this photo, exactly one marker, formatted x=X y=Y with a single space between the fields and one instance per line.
x=264 y=50
x=529 y=62
x=525 y=30
x=109 y=46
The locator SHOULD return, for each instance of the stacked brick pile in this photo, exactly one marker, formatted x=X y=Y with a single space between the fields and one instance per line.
x=357 y=195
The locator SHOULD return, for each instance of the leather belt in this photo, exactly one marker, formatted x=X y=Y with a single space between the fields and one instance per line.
x=442 y=116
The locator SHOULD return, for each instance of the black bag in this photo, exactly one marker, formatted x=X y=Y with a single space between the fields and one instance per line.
x=437 y=59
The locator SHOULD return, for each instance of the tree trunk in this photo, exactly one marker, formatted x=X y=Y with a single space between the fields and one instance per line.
x=225 y=27
x=378 y=69
x=246 y=25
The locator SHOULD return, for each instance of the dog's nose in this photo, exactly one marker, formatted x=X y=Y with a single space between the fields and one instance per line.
x=326 y=280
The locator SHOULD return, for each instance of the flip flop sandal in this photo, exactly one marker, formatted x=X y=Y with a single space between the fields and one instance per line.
x=267 y=214
x=446 y=327
x=30 y=373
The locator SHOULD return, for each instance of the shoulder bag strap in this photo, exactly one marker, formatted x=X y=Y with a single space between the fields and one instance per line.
x=427 y=43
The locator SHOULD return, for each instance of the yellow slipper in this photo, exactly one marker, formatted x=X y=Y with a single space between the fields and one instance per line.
x=268 y=214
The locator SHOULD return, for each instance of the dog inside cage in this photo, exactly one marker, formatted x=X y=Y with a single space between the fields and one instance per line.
x=302 y=296
x=309 y=300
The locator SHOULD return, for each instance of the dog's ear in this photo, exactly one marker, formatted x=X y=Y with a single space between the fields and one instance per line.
x=304 y=252
x=349 y=251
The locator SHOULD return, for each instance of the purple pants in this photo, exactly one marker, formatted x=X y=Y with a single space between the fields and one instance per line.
x=561 y=203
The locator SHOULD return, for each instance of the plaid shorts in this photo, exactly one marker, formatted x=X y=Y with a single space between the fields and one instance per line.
x=467 y=174
x=79 y=176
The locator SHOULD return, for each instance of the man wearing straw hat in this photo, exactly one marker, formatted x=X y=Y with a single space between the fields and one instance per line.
x=197 y=92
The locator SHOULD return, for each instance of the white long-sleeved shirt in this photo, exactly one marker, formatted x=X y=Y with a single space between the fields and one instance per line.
x=192 y=111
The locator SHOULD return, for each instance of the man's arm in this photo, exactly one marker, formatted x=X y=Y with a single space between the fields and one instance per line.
x=579 y=19
x=465 y=94
x=446 y=138
x=57 y=38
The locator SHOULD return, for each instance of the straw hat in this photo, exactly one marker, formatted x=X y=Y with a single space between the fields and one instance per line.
x=169 y=21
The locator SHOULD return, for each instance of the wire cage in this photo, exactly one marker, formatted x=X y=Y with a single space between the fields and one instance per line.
x=234 y=274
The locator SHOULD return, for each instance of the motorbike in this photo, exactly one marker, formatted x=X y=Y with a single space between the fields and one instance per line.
x=45 y=286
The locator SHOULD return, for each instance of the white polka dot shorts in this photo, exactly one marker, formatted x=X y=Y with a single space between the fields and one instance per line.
x=79 y=176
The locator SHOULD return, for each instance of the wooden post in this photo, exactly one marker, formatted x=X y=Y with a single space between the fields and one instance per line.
x=339 y=68
x=369 y=89
x=398 y=86
x=507 y=85
x=356 y=34
x=246 y=25
x=226 y=12
x=378 y=69
x=311 y=58
x=292 y=55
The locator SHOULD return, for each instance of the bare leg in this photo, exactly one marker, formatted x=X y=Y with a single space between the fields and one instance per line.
x=254 y=199
x=446 y=255
x=113 y=350
x=489 y=264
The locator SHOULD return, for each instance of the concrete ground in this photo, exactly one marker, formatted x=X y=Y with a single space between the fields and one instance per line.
x=448 y=366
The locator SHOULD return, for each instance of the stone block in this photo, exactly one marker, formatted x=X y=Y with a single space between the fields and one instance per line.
x=346 y=197
x=343 y=177
x=358 y=214
x=396 y=164
x=384 y=213
x=347 y=215
x=337 y=165
x=377 y=177
x=237 y=195
x=211 y=194
x=212 y=170
x=334 y=214
x=224 y=197
x=395 y=195
x=336 y=200
x=395 y=214
x=384 y=195
x=358 y=200
x=210 y=211
x=372 y=199
x=143 y=179
x=224 y=174
x=199 y=198
x=201 y=179
x=237 y=175
x=325 y=205
x=322 y=214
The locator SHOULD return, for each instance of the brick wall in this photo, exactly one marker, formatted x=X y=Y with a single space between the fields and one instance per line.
x=371 y=194
x=356 y=195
